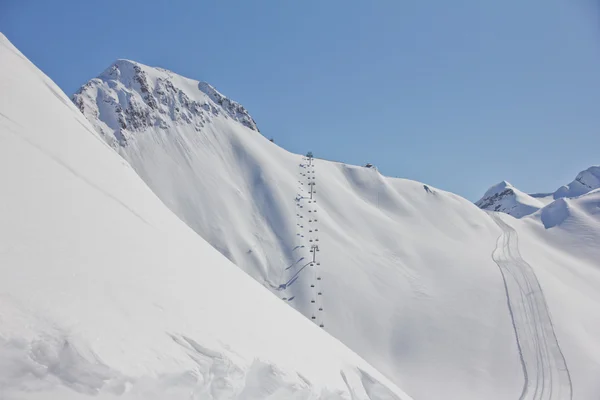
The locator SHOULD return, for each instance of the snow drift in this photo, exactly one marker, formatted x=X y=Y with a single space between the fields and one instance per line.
x=105 y=293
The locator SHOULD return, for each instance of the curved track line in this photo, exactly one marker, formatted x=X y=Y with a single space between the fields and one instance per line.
x=545 y=369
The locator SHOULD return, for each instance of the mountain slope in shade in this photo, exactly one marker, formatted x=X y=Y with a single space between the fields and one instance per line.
x=105 y=294
x=403 y=274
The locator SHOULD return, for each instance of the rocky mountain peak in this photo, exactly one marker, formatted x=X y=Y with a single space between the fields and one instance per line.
x=130 y=97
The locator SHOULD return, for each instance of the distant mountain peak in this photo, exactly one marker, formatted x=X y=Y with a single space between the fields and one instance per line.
x=585 y=181
x=504 y=197
x=129 y=97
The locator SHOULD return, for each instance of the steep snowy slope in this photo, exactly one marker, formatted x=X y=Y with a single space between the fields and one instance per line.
x=403 y=273
x=105 y=294
x=504 y=197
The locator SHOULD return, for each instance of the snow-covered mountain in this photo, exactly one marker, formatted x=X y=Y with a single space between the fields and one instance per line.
x=106 y=294
x=504 y=197
x=584 y=182
x=443 y=298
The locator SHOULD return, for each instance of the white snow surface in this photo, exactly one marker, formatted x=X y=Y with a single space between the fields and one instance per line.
x=106 y=294
x=504 y=197
x=584 y=182
x=431 y=290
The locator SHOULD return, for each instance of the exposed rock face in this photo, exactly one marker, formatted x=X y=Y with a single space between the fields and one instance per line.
x=129 y=97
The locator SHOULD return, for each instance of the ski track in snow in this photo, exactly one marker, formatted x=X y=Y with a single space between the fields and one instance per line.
x=545 y=369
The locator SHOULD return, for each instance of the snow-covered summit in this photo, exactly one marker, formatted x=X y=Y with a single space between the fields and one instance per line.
x=129 y=97
x=584 y=182
x=106 y=294
x=505 y=198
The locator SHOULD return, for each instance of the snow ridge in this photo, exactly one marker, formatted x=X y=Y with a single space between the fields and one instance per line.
x=105 y=294
x=406 y=270
x=584 y=182
x=129 y=97
x=504 y=197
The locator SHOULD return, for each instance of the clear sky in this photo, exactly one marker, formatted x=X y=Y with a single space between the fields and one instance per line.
x=458 y=94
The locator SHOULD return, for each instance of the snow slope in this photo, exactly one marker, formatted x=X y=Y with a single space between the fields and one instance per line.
x=561 y=243
x=584 y=182
x=504 y=197
x=403 y=274
x=105 y=293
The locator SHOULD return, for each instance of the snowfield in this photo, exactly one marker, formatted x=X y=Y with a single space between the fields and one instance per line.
x=445 y=299
x=106 y=294
x=154 y=245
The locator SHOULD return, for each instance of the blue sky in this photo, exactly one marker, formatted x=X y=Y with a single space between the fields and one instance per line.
x=457 y=94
